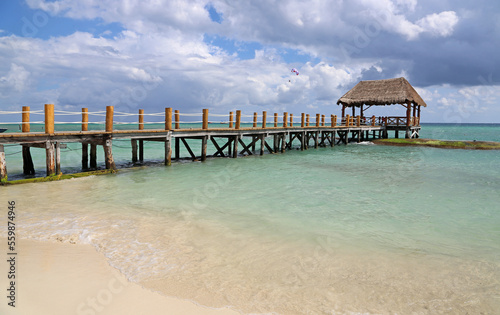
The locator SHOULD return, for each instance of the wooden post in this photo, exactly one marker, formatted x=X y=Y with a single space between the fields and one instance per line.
x=275 y=120
x=50 y=158
x=332 y=121
x=230 y=119
x=373 y=120
x=85 y=119
x=285 y=119
x=85 y=155
x=134 y=150
x=347 y=120
x=168 y=147
x=302 y=120
x=3 y=165
x=25 y=127
x=353 y=111
x=317 y=120
x=93 y=156
x=236 y=138
x=255 y=120
x=108 y=155
x=307 y=120
x=264 y=118
x=415 y=115
x=358 y=121
x=238 y=123
x=204 y=141
x=58 y=157
x=323 y=120
x=141 y=150
x=177 y=148
x=109 y=118
x=262 y=143
x=28 y=167
x=49 y=118
x=291 y=120
x=343 y=111
x=418 y=115
x=283 y=142
x=176 y=115
x=141 y=119
x=205 y=119
x=168 y=118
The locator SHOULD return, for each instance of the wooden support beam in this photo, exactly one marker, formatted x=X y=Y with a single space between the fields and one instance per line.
x=141 y=119
x=186 y=145
x=285 y=119
x=205 y=119
x=168 y=118
x=317 y=120
x=168 y=148
x=238 y=119
x=177 y=148
x=109 y=118
x=235 y=144
x=302 y=120
x=332 y=143
x=50 y=158
x=28 y=167
x=291 y=120
x=93 y=156
x=307 y=120
x=275 y=120
x=25 y=127
x=49 y=118
x=204 y=141
x=264 y=118
x=108 y=154
x=85 y=156
x=177 y=120
x=323 y=120
x=316 y=139
x=58 y=157
x=3 y=165
x=134 y=150
x=220 y=150
x=246 y=148
x=343 y=111
x=85 y=119
x=283 y=142
x=255 y=120
x=262 y=143
x=141 y=150
x=230 y=119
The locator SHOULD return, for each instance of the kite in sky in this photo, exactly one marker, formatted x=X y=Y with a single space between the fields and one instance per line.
x=295 y=71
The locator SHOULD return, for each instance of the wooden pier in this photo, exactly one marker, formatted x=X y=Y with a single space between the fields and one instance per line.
x=238 y=138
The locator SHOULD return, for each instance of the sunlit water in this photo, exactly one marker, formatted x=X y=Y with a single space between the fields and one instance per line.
x=350 y=229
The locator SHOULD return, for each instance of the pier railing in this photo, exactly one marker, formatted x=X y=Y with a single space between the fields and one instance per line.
x=174 y=119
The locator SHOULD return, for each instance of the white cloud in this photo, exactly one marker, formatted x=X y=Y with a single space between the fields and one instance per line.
x=17 y=79
x=441 y=24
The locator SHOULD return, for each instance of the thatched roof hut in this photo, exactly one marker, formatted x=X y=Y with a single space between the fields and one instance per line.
x=382 y=92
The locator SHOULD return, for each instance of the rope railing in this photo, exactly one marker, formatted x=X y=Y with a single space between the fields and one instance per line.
x=172 y=119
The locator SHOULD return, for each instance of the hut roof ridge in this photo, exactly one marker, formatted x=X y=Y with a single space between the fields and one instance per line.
x=381 y=92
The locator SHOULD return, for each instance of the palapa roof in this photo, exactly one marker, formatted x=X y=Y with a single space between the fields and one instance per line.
x=381 y=92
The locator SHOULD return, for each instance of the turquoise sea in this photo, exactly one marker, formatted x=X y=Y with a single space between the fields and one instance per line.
x=356 y=229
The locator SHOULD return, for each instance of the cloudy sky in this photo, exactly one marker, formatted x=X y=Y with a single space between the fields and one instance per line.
x=226 y=55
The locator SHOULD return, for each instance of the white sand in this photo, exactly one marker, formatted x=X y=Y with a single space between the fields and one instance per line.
x=62 y=279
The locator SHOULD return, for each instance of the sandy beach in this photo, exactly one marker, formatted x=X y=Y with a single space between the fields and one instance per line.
x=61 y=279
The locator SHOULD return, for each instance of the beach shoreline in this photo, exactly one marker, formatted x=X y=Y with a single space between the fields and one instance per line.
x=63 y=278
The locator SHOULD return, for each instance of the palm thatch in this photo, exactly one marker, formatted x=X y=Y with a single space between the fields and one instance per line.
x=381 y=92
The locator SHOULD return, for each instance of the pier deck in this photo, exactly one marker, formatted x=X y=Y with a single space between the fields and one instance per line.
x=236 y=140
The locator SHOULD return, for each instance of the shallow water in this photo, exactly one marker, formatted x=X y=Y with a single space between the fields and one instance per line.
x=349 y=229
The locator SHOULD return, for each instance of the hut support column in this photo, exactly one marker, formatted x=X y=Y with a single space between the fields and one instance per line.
x=3 y=165
x=28 y=167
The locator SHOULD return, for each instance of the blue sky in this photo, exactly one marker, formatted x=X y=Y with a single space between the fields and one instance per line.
x=227 y=55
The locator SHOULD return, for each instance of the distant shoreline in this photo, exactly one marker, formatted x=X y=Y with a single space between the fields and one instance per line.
x=444 y=144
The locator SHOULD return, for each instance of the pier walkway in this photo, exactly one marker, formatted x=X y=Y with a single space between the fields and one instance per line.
x=237 y=139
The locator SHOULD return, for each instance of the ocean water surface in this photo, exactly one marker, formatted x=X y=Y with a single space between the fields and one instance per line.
x=356 y=229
